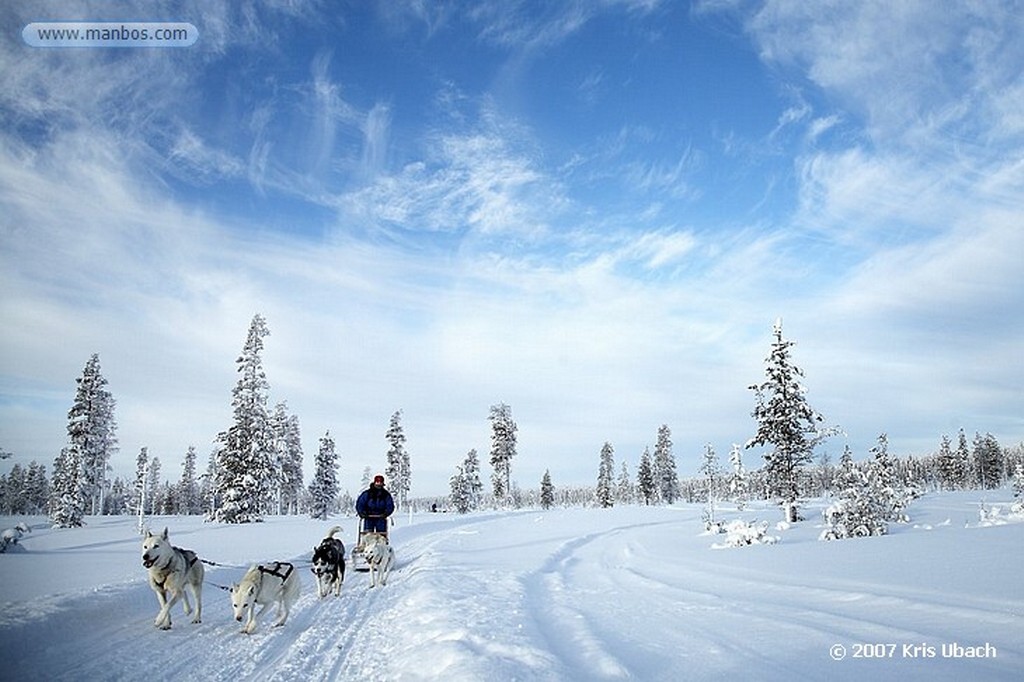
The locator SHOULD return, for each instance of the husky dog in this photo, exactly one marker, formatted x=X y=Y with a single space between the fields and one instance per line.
x=266 y=584
x=329 y=564
x=379 y=555
x=171 y=570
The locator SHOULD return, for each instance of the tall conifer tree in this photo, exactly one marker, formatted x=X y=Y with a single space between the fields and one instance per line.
x=603 y=496
x=787 y=423
x=92 y=433
x=245 y=460
x=503 y=449
x=323 y=491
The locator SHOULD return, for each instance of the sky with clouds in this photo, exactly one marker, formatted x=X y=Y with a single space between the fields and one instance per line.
x=591 y=210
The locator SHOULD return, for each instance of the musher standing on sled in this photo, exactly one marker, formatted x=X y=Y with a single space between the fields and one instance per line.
x=374 y=506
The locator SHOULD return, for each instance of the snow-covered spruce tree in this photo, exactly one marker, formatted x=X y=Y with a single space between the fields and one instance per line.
x=887 y=489
x=856 y=512
x=137 y=494
x=92 y=432
x=12 y=495
x=646 y=486
x=189 y=502
x=547 y=491
x=67 y=495
x=116 y=501
x=153 y=486
x=25 y=491
x=459 y=497
x=323 y=490
x=245 y=464
x=987 y=461
x=503 y=449
x=624 y=492
x=952 y=476
x=1018 y=488
x=474 y=486
x=398 y=471
x=739 y=484
x=711 y=472
x=787 y=423
x=666 y=479
x=603 y=496
x=208 y=486
x=37 y=488
x=288 y=445
x=957 y=472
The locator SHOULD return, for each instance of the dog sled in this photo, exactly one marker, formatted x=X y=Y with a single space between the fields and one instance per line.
x=359 y=562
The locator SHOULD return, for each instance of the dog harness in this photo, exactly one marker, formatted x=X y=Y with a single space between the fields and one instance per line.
x=190 y=557
x=276 y=570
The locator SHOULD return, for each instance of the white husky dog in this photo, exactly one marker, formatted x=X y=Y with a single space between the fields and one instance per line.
x=379 y=555
x=171 y=570
x=266 y=584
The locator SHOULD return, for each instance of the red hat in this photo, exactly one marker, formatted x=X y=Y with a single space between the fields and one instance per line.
x=378 y=479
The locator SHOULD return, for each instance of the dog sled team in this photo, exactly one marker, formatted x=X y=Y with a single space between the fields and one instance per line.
x=175 y=573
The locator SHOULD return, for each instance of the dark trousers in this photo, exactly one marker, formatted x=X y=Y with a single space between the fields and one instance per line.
x=375 y=525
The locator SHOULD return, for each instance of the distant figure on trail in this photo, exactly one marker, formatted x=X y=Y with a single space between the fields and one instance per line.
x=375 y=505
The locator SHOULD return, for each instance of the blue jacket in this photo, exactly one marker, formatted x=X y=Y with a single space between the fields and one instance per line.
x=375 y=502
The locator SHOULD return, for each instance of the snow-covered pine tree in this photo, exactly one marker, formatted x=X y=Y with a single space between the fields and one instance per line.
x=646 y=486
x=459 y=496
x=856 y=512
x=950 y=475
x=624 y=491
x=37 y=488
x=474 y=485
x=987 y=460
x=1018 y=488
x=739 y=484
x=167 y=500
x=92 y=432
x=188 y=487
x=208 y=486
x=116 y=501
x=153 y=486
x=962 y=461
x=245 y=466
x=711 y=471
x=323 y=490
x=288 y=439
x=664 y=467
x=547 y=491
x=12 y=491
x=503 y=449
x=137 y=494
x=887 y=489
x=786 y=422
x=67 y=494
x=603 y=496
x=397 y=470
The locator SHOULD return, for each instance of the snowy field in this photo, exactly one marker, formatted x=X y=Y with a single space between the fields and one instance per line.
x=577 y=594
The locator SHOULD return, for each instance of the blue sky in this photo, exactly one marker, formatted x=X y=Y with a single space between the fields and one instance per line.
x=592 y=211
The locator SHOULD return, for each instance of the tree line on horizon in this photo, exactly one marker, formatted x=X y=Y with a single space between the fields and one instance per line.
x=255 y=468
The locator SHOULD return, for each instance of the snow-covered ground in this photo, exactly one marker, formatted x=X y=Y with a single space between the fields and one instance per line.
x=567 y=594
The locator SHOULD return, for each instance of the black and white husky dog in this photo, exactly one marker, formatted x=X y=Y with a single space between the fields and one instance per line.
x=329 y=564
